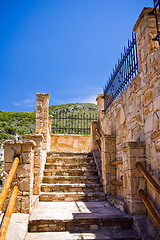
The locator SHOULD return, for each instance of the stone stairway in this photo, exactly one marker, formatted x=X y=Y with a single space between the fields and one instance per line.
x=72 y=203
x=69 y=177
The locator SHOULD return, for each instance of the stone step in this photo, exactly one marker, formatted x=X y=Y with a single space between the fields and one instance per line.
x=67 y=154
x=82 y=166
x=69 y=160
x=77 y=216
x=71 y=179
x=125 y=234
x=70 y=172
x=81 y=223
x=72 y=196
x=71 y=187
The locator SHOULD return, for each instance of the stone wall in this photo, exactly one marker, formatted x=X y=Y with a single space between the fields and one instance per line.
x=24 y=175
x=70 y=143
x=135 y=116
x=39 y=160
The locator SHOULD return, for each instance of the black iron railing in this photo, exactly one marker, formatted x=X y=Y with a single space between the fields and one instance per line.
x=154 y=11
x=72 y=123
x=123 y=73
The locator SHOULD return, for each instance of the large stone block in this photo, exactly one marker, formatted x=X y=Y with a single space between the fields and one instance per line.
x=23 y=171
x=25 y=185
x=156 y=103
x=148 y=97
x=149 y=126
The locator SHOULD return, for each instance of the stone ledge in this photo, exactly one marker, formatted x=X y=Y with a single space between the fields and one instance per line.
x=72 y=135
x=31 y=136
x=19 y=142
x=42 y=94
x=108 y=136
x=133 y=145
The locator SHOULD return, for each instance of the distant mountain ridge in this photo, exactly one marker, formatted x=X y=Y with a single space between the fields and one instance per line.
x=24 y=122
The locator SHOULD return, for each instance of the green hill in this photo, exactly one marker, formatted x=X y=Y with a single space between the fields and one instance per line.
x=24 y=122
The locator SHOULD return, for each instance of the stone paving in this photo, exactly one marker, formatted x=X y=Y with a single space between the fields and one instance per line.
x=18 y=227
x=73 y=210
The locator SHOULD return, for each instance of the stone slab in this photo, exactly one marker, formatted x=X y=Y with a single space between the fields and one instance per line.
x=98 y=235
x=18 y=227
x=72 y=210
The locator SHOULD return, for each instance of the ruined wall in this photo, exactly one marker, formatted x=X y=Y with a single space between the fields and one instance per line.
x=135 y=115
x=70 y=143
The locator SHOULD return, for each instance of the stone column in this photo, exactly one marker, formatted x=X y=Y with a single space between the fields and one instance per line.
x=38 y=161
x=133 y=180
x=100 y=106
x=108 y=154
x=24 y=174
x=93 y=126
x=50 y=121
x=42 y=118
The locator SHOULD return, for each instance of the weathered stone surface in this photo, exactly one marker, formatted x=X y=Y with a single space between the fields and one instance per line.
x=23 y=171
x=156 y=103
x=18 y=226
x=148 y=97
x=149 y=123
x=24 y=185
x=70 y=143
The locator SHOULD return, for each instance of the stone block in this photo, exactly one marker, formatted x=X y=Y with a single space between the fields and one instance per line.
x=28 y=145
x=7 y=167
x=25 y=205
x=149 y=123
x=8 y=154
x=148 y=109
x=17 y=206
x=134 y=207
x=24 y=185
x=156 y=103
x=23 y=171
x=148 y=97
x=155 y=122
x=38 y=161
x=26 y=158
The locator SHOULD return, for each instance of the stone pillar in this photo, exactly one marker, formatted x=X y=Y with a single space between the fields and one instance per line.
x=108 y=154
x=24 y=174
x=42 y=118
x=133 y=180
x=38 y=161
x=93 y=126
x=100 y=106
x=145 y=29
x=50 y=121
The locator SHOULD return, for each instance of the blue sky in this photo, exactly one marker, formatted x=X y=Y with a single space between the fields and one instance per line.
x=67 y=48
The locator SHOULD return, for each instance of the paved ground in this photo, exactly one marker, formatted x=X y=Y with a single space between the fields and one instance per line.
x=18 y=227
x=102 y=235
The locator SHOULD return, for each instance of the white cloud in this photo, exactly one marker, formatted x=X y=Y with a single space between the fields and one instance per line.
x=88 y=99
x=25 y=103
